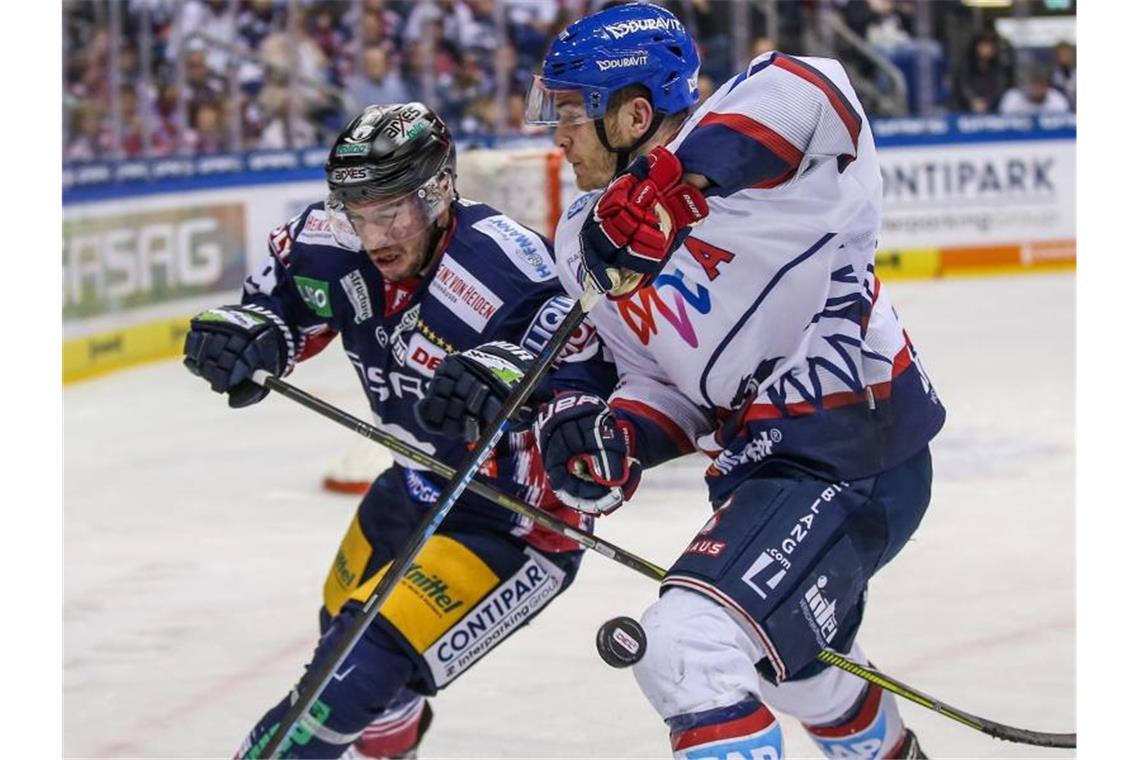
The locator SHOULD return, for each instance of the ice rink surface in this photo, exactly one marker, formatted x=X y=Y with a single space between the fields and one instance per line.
x=197 y=540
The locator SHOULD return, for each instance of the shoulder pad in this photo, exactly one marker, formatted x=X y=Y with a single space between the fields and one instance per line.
x=524 y=248
x=321 y=228
x=581 y=203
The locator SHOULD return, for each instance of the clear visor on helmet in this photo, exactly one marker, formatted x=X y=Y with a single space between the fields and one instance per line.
x=389 y=221
x=551 y=103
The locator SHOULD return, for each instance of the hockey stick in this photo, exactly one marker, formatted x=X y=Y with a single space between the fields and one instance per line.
x=315 y=679
x=648 y=569
x=519 y=507
x=994 y=729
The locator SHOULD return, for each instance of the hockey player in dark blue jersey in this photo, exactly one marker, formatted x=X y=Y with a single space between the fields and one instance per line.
x=405 y=272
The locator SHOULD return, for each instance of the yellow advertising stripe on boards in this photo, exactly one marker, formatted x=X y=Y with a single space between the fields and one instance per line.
x=909 y=264
x=94 y=355
x=927 y=263
x=104 y=352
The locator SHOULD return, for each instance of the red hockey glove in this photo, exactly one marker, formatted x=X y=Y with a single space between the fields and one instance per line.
x=640 y=219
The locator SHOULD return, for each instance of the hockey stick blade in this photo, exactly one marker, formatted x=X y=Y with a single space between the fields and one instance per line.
x=993 y=728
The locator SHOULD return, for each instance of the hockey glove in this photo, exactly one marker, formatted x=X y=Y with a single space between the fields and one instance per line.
x=225 y=345
x=586 y=453
x=625 y=230
x=469 y=389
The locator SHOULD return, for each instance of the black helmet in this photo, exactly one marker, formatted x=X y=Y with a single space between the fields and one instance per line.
x=389 y=151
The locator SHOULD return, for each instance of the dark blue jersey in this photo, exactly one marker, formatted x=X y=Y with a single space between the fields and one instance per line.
x=493 y=280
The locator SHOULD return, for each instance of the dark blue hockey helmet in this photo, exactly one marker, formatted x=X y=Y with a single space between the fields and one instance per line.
x=635 y=43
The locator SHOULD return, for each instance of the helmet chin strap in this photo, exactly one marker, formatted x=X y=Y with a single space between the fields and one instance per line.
x=437 y=233
x=623 y=153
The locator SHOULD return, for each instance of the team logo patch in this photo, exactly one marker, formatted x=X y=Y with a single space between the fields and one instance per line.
x=463 y=294
x=524 y=248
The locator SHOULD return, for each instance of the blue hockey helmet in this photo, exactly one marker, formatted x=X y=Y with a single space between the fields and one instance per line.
x=635 y=43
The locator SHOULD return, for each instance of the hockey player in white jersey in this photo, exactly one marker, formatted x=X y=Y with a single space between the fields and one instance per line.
x=762 y=337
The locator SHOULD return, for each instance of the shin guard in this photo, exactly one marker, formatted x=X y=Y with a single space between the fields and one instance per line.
x=397 y=732
x=746 y=729
x=871 y=729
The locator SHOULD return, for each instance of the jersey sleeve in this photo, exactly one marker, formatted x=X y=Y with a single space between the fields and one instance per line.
x=277 y=285
x=665 y=422
x=759 y=128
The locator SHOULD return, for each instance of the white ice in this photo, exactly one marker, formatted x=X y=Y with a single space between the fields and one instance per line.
x=197 y=539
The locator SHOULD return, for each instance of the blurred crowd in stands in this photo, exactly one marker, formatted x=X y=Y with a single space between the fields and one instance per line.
x=165 y=77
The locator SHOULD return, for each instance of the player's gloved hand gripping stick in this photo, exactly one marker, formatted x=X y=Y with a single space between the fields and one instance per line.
x=319 y=673
x=638 y=221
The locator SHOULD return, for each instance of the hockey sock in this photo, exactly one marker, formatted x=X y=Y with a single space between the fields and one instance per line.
x=746 y=729
x=871 y=729
x=397 y=731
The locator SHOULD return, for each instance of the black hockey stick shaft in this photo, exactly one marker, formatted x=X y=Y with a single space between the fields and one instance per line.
x=519 y=507
x=650 y=570
x=319 y=674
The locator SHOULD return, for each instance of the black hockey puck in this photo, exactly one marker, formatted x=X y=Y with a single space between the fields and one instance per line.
x=621 y=642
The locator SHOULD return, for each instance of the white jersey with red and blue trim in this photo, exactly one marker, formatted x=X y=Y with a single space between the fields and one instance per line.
x=767 y=336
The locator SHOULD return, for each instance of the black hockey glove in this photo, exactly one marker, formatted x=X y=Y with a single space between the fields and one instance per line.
x=225 y=345
x=586 y=454
x=469 y=389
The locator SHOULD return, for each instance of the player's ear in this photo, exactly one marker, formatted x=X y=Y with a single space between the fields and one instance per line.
x=640 y=116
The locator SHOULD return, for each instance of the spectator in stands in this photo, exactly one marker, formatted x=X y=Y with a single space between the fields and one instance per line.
x=166 y=137
x=984 y=78
x=890 y=25
x=761 y=45
x=130 y=122
x=326 y=31
x=1035 y=96
x=212 y=20
x=471 y=82
x=430 y=62
x=281 y=131
x=203 y=85
x=530 y=24
x=208 y=134
x=260 y=19
x=378 y=83
x=295 y=56
x=89 y=138
x=460 y=28
x=1064 y=76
